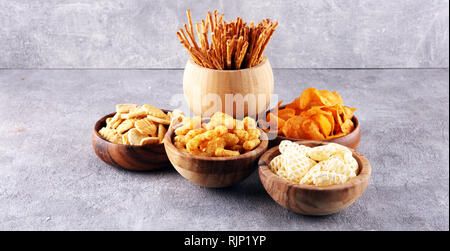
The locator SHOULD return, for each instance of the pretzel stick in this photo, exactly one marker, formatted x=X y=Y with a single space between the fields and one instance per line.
x=257 y=49
x=214 y=59
x=205 y=34
x=229 y=49
x=216 y=46
x=185 y=43
x=200 y=37
x=240 y=42
x=184 y=36
x=211 y=23
x=242 y=55
x=232 y=45
x=191 y=28
x=215 y=18
x=224 y=50
x=267 y=40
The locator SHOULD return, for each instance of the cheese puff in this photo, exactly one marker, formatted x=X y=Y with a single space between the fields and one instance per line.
x=253 y=134
x=214 y=144
x=251 y=144
x=238 y=124
x=230 y=139
x=238 y=148
x=193 y=145
x=210 y=125
x=220 y=118
x=220 y=152
x=180 y=138
x=249 y=123
x=192 y=133
x=189 y=124
x=220 y=130
x=241 y=134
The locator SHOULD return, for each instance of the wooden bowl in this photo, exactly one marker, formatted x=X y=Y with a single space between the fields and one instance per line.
x=213 y=172
x=206 y=89
x=350 y=140
x=136 y=158
x=313 y=200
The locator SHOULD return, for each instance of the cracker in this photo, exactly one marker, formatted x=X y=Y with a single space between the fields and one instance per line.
x=125 y=139
x=116 y=124
x=145 y=126
x=135 y=137
x=159 y=120
x=125 y=126
x=125 y=108
x=154 y=111
x=149 y=141
x=137 y=113
x=113 y=120
x=161 y=132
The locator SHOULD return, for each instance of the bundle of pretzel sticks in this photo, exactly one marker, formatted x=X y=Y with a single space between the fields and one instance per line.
x=231 y=46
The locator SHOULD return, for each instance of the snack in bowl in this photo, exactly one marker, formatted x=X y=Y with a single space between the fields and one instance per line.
x=231 y=46
x=315 y=115
x=222 y=136
x=136 y=125
x=325 y=165
x=320 y=199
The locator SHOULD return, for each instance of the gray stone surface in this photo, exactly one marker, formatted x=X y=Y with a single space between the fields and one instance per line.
x=141 y=34
x=50 y=178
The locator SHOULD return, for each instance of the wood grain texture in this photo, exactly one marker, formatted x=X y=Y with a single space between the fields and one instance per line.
x=213 y=171
x=136 y=158
x=350 y=140
x=206 y=89
x=313 y=200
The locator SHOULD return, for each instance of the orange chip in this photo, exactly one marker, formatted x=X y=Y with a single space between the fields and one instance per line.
x=347 y=127
x=275 y=123
x=348 y=112
x=311 y=97
x=286 y=113
x=331 y=98
x=292 y=128
x=316 y=115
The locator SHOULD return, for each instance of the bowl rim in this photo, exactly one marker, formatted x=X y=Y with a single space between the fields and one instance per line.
x=258 y=150
x=263 y=62
x=351 y=134
x=362 y=177
x=99 y=123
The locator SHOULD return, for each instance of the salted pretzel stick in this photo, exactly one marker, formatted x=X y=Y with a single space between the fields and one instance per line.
x=190 y=32
x=205 y=34
x=216 y=47
x=200 y=37
x=242 y=55
x=214 y=59
x=257 y=49
x=204 y=59
x=211 y=23
x=237 y=53
x=224 y=50
x=272 y=30
x=191 y=35
x=185 y=43
x=215 y=18
x=229 y=49
x=184 y=36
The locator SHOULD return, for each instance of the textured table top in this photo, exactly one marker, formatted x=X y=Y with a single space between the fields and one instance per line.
x=50 y=178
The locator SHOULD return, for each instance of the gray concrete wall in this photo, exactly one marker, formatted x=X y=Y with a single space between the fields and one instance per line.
x=141 y=34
